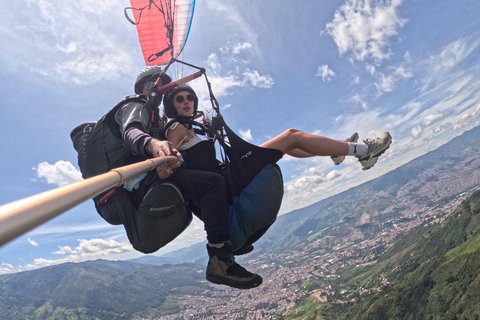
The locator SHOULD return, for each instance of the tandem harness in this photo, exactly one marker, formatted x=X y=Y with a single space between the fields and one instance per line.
x=162 y=214
x=254 y=180
x=255 y=184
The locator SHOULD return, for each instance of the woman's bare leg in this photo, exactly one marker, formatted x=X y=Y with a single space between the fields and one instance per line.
x=297 y=153
x=300 y=144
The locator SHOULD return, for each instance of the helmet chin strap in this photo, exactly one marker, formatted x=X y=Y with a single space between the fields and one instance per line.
x=153 y=97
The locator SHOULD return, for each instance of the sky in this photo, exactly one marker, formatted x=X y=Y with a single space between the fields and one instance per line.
x=409 y=67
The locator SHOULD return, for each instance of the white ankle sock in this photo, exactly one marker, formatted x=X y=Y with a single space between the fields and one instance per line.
x=216 y=245
x=357 y=149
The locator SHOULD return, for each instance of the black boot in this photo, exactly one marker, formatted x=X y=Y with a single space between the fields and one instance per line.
x=243 y=250
x=222 y=269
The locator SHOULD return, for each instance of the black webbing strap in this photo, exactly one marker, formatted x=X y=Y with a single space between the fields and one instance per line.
x=216 y=129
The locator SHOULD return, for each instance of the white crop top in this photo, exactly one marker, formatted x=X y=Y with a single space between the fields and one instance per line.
x=195 y=139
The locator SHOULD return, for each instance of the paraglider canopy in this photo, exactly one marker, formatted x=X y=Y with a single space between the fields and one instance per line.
x=162 y=26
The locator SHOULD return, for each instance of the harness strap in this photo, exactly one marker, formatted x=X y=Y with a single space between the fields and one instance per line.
x=202 y=129
x=155 y=129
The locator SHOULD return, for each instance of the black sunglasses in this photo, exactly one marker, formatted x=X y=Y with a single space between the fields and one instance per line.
x=190 y=97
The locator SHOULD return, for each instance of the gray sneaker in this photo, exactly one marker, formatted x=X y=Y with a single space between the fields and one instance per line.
x=339 y=159
x=375 y=149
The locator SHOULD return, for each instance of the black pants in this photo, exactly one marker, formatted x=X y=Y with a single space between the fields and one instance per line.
x=208 y=191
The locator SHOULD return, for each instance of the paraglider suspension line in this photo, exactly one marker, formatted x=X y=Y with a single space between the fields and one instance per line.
x=217 y=125
x=167 y=17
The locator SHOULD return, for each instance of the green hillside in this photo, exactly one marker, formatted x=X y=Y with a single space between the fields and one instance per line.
x=431 y=273
x=97 y=290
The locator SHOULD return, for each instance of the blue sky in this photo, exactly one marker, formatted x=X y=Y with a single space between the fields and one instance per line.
x=327 y=67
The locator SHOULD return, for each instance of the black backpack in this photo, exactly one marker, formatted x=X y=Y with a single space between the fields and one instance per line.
x=100 y=149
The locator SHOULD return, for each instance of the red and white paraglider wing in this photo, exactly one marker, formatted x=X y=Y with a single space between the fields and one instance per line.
x=162 y=26
x=182 y=24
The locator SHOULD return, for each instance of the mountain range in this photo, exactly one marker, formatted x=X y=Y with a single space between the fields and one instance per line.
x=349 y=234
x=431 y=273
x=97 y=290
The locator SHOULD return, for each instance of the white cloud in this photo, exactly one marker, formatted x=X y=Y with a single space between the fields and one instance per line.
x=476 y=113
x=226 y=73
x=41 y=263
x=325 y=73
x=333 y=174
x=310 y=179
x=253 y=78
x=401 y=72
x=387 y=83
x=223 y=84
x=454 y=53
x=364 y=27
x=88 y=68
x=87 y=250
x=69 y=41
x=406 y=113
x=213 y=65
x=246 y=134
x=360 y=101
x=61 y=173
x=442 y=66
x=33 y=243
x=239 y=47
x=304 y=184
x=416 y=132
x=465 y=121
x=289 y=158
x=94 y=248
x=313 y=181
x=6 y=268
x=441 y=128
x=433 y=118
x=233 y=20
x=370 y=69
x=237 y=52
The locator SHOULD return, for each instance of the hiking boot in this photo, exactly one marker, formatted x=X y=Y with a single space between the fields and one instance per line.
x=222 y=269
x=243 y=250
x=339 y=159
x=375 y=149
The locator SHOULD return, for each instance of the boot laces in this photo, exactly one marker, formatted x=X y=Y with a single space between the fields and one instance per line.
x=230 y=260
